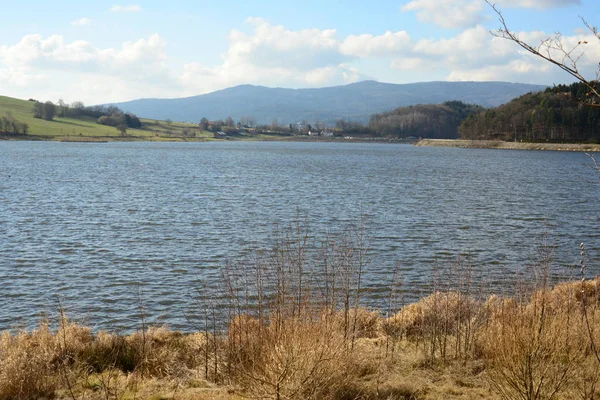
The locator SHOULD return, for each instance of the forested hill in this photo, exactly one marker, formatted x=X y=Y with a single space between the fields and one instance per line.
x=436 y=121
x=353 y=102
x=560 y=114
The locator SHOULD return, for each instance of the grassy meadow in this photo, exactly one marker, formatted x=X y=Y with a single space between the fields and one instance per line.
x=85 y=129
x=82 y=128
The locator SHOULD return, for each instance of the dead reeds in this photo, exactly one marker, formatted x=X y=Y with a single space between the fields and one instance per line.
x=289 y=323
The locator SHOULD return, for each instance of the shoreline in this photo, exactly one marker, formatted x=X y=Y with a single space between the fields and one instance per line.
x=498 y=144
x=449 y=344
x=457 y=143
x=269 y=138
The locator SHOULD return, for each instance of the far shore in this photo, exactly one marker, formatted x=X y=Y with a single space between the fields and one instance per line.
x=459 y=143
x=262 y=137
x=498 y=144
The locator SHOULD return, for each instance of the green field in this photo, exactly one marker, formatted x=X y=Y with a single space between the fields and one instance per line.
x=86 y=128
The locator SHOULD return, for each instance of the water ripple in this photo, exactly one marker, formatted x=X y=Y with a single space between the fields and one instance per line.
x=101 y=226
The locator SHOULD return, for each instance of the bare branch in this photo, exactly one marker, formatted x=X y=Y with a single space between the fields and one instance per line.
x=568 y=59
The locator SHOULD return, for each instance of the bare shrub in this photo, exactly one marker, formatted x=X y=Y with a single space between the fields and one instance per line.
x=441 y=323
x=293 y=359
x=294 y=317
x=534 y=350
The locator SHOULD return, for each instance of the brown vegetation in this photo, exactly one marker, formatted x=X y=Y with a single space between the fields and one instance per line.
x=524 y=347
x=498 y=144
x=289 y=325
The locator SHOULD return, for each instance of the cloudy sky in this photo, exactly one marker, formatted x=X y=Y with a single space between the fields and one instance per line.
x=98 y=51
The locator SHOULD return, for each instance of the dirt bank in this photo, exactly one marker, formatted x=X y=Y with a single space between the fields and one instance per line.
x=497 y=144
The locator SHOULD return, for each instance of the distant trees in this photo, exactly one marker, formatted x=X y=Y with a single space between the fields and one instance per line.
x=45 y=110
x=49 y=111
x=77 y=106
x=106 y=115
x=203 y=124
x=438 y=121
x=9 y=125
x=341 y=124
x=215 y=126
x=62 y=108
x=132 y=121
x=274 y=125
x=119 y=118
x=122 y=128
x=38 y=109
x=248 y=121
x=352 y=127
x=559 y=114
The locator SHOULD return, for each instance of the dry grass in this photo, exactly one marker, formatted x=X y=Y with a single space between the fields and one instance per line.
x=542 y=347
x=27 y=370
x=294 y=358
x=278 y=337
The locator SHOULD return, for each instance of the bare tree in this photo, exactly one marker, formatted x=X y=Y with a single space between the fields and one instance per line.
x=554 y=50
x=122 y=128
x=248 y=121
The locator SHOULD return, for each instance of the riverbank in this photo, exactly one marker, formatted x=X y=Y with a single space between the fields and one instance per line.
x=497 y=144
x=236 y=138
x=449 y=345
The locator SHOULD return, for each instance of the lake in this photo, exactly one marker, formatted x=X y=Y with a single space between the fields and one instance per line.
x=101 y=225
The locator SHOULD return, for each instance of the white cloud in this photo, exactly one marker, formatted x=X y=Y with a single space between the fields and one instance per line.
x=473 y=58
x=21 y=77
x=82 y=22
x=272 y=55
x=131 y=8
x=410 y=63
x=134 y=64
x=271 y=46
x=452 y=14
x=470 y=40
x=539 y=4
x=367 y=45
x=530 y=71
x=53 y=53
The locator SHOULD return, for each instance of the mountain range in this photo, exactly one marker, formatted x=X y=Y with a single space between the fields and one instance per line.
x=353 y=102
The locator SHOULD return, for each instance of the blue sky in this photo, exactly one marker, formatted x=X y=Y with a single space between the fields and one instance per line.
x=100 y=51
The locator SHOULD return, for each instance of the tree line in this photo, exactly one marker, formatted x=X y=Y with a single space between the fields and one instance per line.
x=435 y=121
x=559 y=114
x=424 y=120
x=104 y=115
x=11 y=126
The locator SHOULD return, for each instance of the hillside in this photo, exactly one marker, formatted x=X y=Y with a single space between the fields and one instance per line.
x=558 y=114
x=83 y=128
x=354 y=102
x=438 y=121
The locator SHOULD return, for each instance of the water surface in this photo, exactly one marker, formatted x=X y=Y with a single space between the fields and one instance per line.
x=98 y=223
